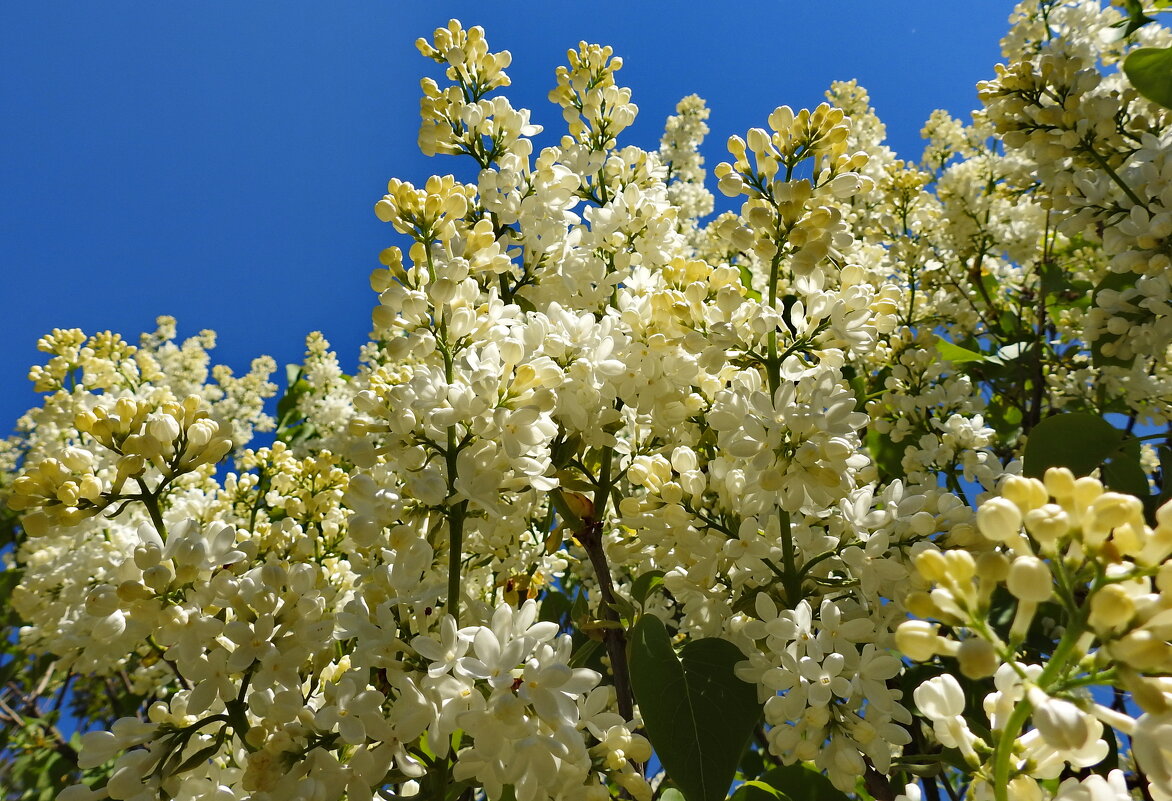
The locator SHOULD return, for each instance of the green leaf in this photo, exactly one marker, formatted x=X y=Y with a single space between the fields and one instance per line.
x=1136 y=18
x=793 y=783
x=955 y=354
x=646 y=584
x=1078 y=440
x=888 y=455
x=858 y=385
x=1150 y=71
x=699 y=715
x=747 y=283
x=755 y=790
x=8 y=581
x=1123 y=473
x=1004 y=418
x=554 y=606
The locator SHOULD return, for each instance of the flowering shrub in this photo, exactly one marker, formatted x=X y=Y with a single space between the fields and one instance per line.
x=856 y=491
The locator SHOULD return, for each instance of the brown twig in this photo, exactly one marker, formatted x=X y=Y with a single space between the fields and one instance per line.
x=613 y=637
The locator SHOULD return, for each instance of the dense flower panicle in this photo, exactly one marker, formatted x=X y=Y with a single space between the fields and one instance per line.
x=796 y=426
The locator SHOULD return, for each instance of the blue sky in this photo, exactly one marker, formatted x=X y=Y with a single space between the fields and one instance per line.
x=219 y=161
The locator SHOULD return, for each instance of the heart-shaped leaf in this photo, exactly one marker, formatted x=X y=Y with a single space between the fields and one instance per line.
x=699 y=715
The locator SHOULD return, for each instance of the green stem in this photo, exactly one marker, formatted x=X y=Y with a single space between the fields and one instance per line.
x=773 y=363
x=1053 y=669
x=602 y=489
x=1114 y=176
x=456 y=516
x=458 y=511
x=793 y=579
x=151 y=502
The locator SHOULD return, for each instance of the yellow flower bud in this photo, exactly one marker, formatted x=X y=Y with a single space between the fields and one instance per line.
x=1111 y=609
x=1027 y=493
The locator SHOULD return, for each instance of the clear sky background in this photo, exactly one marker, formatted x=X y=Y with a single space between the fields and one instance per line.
x=219 y=161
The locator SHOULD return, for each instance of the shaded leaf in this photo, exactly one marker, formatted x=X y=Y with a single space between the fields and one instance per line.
x=1123 y=472
x=1077 y=440
x=793 y=783
x=888 y=455
x=646 y=584
x=699 y=715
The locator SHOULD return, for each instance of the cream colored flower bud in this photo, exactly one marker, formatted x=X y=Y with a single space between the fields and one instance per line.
x=90 y=487
x=1030 y=580
x=992 y=566
x=147 y=556
x=77 y=460
x=960 y=565
x=1025 y=788
x=141 y=444
x=671 y=492
x=1047 y=523
x=201 y=432
x=1113 y=509
x=101 y=601
x=1027 y=493
x=125 y=410
x=1147 y=693
x=683 y=459
x=84 y=421
x=158 y=578
x=977 y=658
x=67 y=493
x=109 y=627
x=442 y=291
x=1164 y=578
x=932 y=565
x=917 y=639
x=132 y=591
x=1062 y=725
x=999 y=519
x=758 y=140
x=163 y=428
x=781 y=119
x=921 y=604
x=273 y=575
x=1164 y=515
x=1143 y=651
x=216 y=450
x=36 y=524
x=1086 y=490
x=1059 y=482
x=130 y=466
x=1111 y=609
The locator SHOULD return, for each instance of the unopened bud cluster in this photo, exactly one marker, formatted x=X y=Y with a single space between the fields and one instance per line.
x=134 y=437
x=1088 y=555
